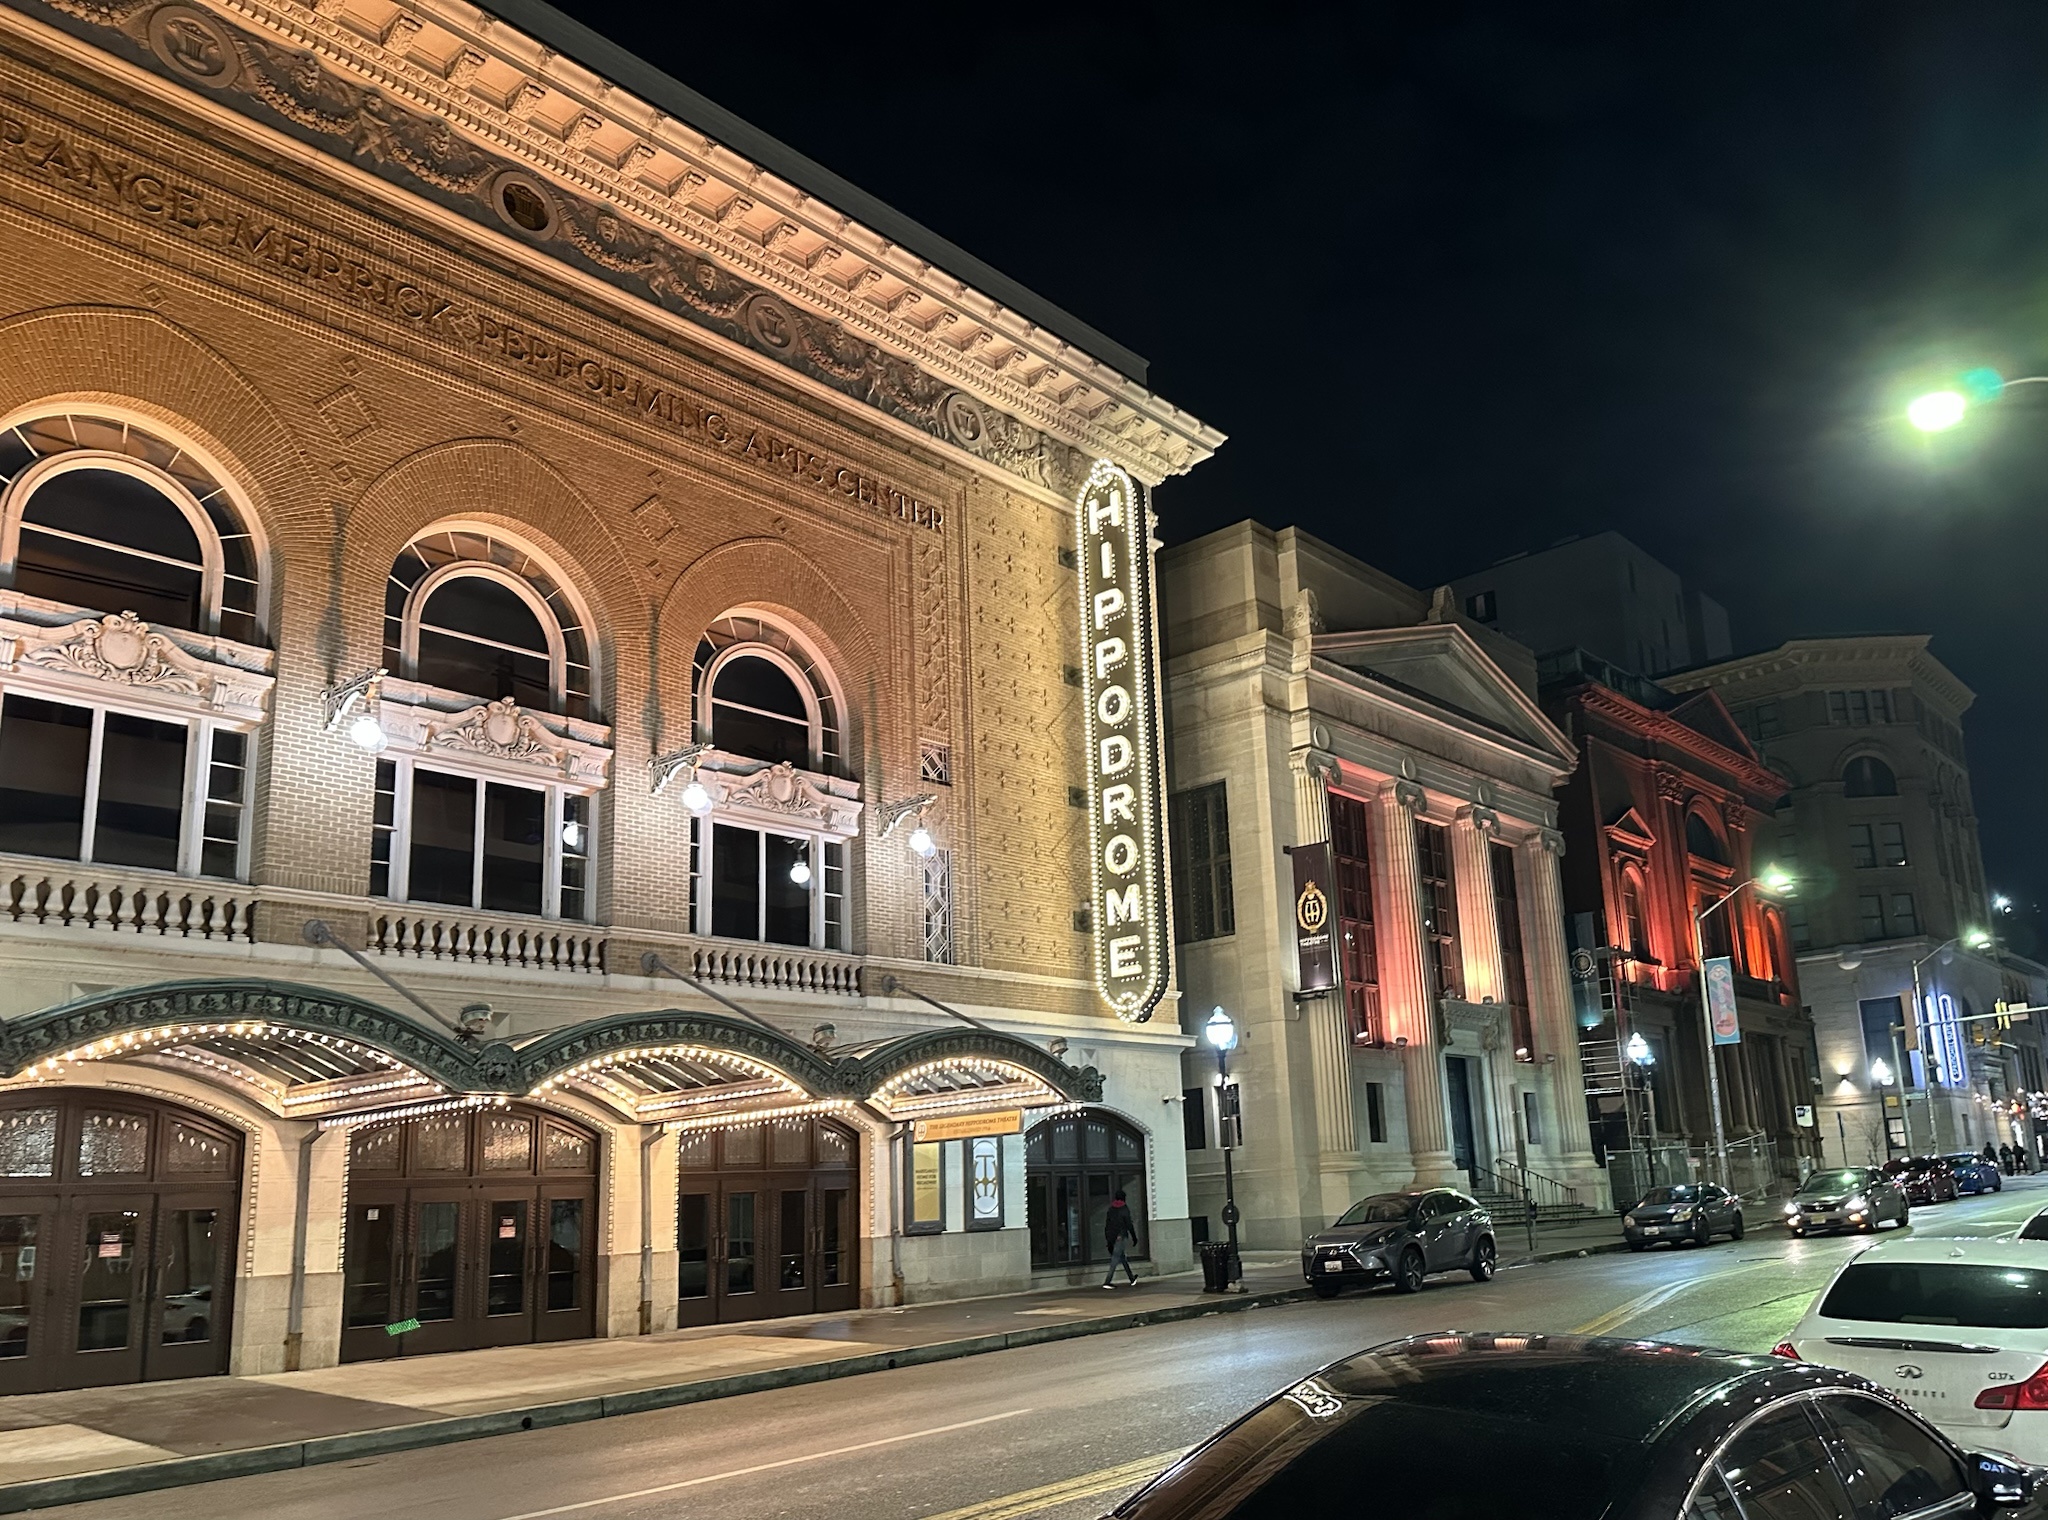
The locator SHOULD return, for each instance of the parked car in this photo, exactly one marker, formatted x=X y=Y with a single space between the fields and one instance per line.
x=1401 y=1237
x=1687 y=1212
x=1957 y=1329
x=1926 y=1179
x=1974 y=1174
x=1846 y=1198
x=1460 y=1427
x=2034 y=1229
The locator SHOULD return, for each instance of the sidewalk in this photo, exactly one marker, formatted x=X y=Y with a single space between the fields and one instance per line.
x=59 y=1448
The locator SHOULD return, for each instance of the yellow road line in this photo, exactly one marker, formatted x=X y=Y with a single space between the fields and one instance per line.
x=1643 y=1303
x=1031 y=1501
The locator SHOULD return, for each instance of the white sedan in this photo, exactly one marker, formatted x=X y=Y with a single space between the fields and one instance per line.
x=1956 y=1329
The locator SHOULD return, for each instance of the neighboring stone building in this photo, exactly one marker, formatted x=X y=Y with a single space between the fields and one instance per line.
x=535 y=636
x=1669 y=811
x=1879 y=828
x=1320 y=707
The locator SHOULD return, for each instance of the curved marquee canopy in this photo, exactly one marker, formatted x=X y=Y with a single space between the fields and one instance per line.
x=304 y=1053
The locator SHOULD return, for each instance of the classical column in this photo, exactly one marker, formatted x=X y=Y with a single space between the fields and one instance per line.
x=1329 y=1031
x=1472 y=833
x=1550 y=989
x=1407 y=994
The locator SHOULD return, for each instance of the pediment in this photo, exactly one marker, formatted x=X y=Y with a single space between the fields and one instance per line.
x=1630 y=827
x=1442 y=665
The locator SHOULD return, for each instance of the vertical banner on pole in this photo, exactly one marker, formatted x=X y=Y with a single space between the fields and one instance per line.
x=1721 y=1001
x=1315 y=951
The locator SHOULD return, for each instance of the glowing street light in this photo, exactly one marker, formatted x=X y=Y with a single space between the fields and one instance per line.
x=1776 y=881
x=1937 y=411
x=2000 y=903
x=1881 y=1072
x=1976 y=939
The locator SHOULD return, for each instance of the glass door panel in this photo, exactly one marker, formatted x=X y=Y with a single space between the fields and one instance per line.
x=505 y=1251
x=190 y=1248
x=109 y=1280
x=436 y=1252
x=18 y=1308
x=739 y=1242
x=791 y=1245
x=835 y=1269
x=565 y=1254
x=696 y=1285
x=369 y=1267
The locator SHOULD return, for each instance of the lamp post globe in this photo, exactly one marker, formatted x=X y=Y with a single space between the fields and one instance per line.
x=1937 y=411
x=1881 y=1072
x=1220 y=1031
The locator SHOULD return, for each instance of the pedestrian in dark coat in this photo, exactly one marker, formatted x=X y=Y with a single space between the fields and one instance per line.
x=1120 y=1228
x=2005 y=1159
x=1990 y=1155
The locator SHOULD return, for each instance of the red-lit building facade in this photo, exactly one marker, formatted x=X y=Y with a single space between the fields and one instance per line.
x=1669 y=810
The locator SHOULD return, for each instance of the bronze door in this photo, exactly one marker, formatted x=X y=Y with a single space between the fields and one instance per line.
x=764 y=1222
x=475 y=1231
x=117 y=1230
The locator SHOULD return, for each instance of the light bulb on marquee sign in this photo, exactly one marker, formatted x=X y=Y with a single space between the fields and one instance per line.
x=1119 y=689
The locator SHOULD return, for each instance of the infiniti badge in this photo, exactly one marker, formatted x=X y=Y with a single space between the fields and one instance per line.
x=1907 y=1370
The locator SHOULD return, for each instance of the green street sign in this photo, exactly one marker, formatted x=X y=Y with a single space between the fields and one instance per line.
x=401 y=1327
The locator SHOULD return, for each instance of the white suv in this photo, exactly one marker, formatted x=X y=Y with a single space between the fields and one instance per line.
x=1956 y=1329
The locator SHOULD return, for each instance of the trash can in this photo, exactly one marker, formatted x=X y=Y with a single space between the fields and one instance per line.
x=1219 y=1271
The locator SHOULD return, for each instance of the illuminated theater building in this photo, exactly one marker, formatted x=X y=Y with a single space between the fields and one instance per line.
x=579 y=743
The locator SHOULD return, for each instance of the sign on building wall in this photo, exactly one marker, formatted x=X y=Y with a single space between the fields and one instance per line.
x=1944 y=1041
x=1315 y=947
x=1005 y=1121
x=1119 y=689
x=1721 y=1001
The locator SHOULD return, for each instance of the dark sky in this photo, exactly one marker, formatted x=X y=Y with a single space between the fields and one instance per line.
x=1462 y=279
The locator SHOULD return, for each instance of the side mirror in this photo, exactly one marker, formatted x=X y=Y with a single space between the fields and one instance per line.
x=2000 y=1483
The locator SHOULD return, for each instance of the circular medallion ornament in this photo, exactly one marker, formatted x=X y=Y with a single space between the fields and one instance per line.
x=771 y=324
x=501 y=726
x=963 y=419
x=194 y=45
x=523 y=202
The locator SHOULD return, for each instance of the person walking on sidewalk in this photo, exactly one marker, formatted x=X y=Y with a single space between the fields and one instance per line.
x=2005 y=1159
x=1118 y=1229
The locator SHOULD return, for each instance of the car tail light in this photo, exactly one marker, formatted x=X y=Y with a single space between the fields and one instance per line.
x=2032 y=1394
x=1785 y=1349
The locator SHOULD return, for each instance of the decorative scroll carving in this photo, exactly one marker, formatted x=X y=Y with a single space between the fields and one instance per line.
x=1484 y=819
x=1670 y=786
x=1409 y=795
x=500 y=729
x=935 y=662
x=499 y=734
x=119 y=648
x=784 y=789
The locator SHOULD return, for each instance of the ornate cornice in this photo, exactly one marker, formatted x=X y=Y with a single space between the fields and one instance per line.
x=1647 y=723
x=445 y=102
x=499 y=736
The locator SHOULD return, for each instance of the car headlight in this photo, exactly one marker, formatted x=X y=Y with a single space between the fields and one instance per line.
x=1684 y=1213
x=1792 y=1207
x=1629 y=1220
x=1858 y=1204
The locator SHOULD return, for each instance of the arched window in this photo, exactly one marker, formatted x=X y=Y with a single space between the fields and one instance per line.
x=1702 y=842
x=757 y=711
x=1868 y=776
x=479 y=617
x=100 y=518
x=755 y=683
x=474 y=613
x=1635 y=928
x=100 y=515
x=1074 y=1165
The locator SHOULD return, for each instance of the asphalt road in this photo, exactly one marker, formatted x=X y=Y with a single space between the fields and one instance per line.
x=1058 y=1432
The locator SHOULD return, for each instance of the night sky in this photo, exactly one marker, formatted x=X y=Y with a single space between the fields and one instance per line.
x=1464 y=279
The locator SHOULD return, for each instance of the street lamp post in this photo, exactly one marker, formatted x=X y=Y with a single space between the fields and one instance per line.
x=1221 y=1033
x=1881 y=1075
x=1970 y=939
x=1777 y=884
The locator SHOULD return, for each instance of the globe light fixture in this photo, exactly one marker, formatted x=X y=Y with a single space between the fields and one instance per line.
x=921 y=843
x=1638 y=1050
x=367 y=733
x=1937 y=411
x=1881 y=1072
x=1220 y=1031
x=1776 y=881
x=800 y=871
x=2000 y=903
x=696 y=799
x=1976 y=939
x=572 y=835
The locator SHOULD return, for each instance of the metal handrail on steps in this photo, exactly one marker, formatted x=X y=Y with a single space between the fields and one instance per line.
x=1530 y=1187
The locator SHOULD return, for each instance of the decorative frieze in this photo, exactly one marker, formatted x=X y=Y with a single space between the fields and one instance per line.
x=499 y=736
x=780 y=796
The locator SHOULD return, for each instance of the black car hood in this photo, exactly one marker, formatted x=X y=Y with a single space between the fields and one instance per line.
x=1832 y=1201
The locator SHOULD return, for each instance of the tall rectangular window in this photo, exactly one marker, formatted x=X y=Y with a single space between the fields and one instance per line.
x=89 y=784
x=1891 y=844
x=1376 y=1113
x=1796 y=921
x=1768 y=723
x=835 y=898
x=1357 y=944
x=1199 y=828
x=1862 y=845
x=778 y=889
x=938 y=907
x=1905 y=921
x=1859 y=709
x=1194 y=1118
x=1870 y=915
x=1514 y=961
x=442 y=837
x=1439 y=909
x=1838 y=707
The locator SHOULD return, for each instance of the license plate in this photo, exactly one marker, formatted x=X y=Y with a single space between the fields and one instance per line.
x=1653 y=1229
x=1333 y=1266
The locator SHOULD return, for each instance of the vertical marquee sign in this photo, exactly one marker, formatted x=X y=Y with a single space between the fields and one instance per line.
x=1120 y=693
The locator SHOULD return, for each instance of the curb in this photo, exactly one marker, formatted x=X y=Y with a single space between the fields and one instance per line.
x=145 y=1477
